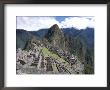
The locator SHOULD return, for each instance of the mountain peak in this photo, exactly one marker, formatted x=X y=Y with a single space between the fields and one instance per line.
x=55 y=27
x=53 y=31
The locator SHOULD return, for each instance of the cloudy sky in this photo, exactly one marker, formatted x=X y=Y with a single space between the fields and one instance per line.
x=33 y=23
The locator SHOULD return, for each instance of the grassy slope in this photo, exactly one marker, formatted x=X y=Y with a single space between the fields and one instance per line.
x=62 y=62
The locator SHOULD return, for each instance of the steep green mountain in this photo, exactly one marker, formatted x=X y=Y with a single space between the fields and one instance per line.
x=55 y=37
x=22 y=36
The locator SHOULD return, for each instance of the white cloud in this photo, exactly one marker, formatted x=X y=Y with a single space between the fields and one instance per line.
x=78 y=22
x=36 y=23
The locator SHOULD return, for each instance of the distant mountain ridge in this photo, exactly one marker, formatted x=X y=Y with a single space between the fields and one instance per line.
x=86 y=34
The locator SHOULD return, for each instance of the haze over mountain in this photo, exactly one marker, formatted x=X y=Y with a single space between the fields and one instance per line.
x=55 y=51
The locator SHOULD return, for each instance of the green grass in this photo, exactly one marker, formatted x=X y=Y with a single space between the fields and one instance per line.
x=47 y=53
